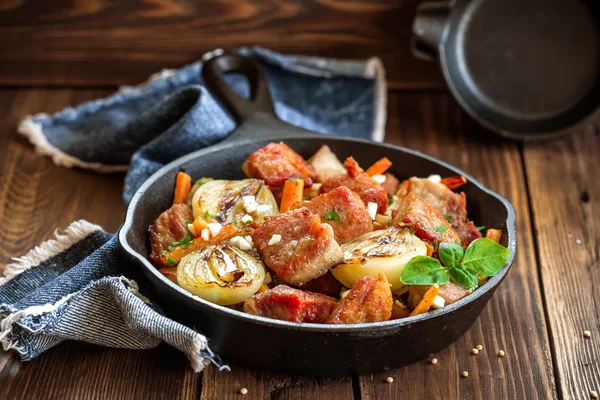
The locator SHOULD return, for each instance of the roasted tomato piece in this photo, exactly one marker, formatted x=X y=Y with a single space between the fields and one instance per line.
x=325 y=284
x=275 y=163
x=369 y=300
x=297 y=246
x=426 y=221
x=169 y=227
x=343 y=210
x=450 y=292
x=359 y=182
x=289 y=304
x=451 y=205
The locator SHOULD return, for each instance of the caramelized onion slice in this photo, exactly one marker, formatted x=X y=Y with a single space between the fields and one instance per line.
x=221 y=274
x=386 y=251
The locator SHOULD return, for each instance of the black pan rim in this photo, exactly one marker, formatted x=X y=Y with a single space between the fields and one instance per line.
x=178 y=291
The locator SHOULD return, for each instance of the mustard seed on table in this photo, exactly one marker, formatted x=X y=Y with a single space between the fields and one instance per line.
x=244 y=391
x=479 y=347
x=434 y=361
x=593 y=395
x=474 y=351
x=389 y=379
x=587 y=334
x=500 y=353
x=465 y=374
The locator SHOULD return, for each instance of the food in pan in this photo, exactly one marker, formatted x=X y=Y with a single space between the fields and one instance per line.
x=321 y=241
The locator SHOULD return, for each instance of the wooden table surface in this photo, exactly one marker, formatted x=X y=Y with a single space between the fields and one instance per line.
x=537 y=316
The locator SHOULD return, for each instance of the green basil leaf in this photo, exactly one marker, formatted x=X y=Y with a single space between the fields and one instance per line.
x=450 y=253
x=485 y=257
x=441 y=229
x=423 y=270
x=332 y=216
x=463 y=277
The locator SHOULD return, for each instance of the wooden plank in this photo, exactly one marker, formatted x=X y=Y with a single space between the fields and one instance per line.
x=37 y=197
x=514 y=319
x=90 y=42
x=265 y=385
x=563 y=174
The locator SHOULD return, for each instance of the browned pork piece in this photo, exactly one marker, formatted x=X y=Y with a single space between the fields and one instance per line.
x=169 y=227
x=275 y=163
x=390 y=184
x=369 y=300
x=358 y=181
x=297 y=246
x=451 y=205
x=426 y=221
x=450 y=292
x=343 y=210
x=289 y=304
x=326 y=164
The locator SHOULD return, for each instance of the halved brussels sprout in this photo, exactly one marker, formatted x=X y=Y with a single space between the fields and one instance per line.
x=221 y=201
x=221 y=274
x=386 y=251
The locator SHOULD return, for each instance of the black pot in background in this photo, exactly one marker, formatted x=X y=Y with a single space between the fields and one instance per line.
x=524 y=69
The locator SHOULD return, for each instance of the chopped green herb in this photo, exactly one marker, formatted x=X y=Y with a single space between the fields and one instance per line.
x=171 y=262
x=295 y=179
x=203 y=180
x=332 y=216
x=172 y=247
x=391 y=199
x=208 y=214
x=441 y=228
x=436 y=245
x=481 y=228
x=163 y=252
x=248 y=222
x=235 y=221
x=448 y=218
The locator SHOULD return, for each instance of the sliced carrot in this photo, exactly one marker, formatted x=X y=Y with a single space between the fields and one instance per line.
x=199 y=224
x=293 y=191
x=426 y=301
x=429 y=249
x=169 y=272
x=454 y=182
x=174 y=256
x=183 y=184
x=379 y=167
x=494 y=235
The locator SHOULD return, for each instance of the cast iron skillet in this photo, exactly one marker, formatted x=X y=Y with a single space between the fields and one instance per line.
x=305 y=349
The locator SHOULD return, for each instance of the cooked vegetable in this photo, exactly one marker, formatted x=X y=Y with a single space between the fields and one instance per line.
x=293 y=191
x=454 y=182
x=199 y=225
x=379 y=167
x=494 y=235
x=227 y=201
x=326 y=164
x=221 y=274
x=183 y=183
x=178 y=252
x=386 y=251
x=427 y=300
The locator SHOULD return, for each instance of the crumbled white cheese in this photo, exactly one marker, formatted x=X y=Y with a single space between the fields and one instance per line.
x=263 y=208
x=379 y=178
x=372 y=209
x=249 y=240
x=316 y=186
x=275 y=239
x=214 y=228
x=249 y=203
x=205 y=234
x=438 y=302
x=191 y=229
x=235 y=241
x=383 y=219
x=435 y=178
x=246 y=219
x=344 y=293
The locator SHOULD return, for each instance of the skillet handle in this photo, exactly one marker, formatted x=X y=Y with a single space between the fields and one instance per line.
x=241 y=109
x=428 y=29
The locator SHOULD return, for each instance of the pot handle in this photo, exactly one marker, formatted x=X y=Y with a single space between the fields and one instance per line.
x=241 y=109
x=428 y=29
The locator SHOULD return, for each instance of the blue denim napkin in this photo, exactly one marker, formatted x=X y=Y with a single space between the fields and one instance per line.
x=74 y=287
